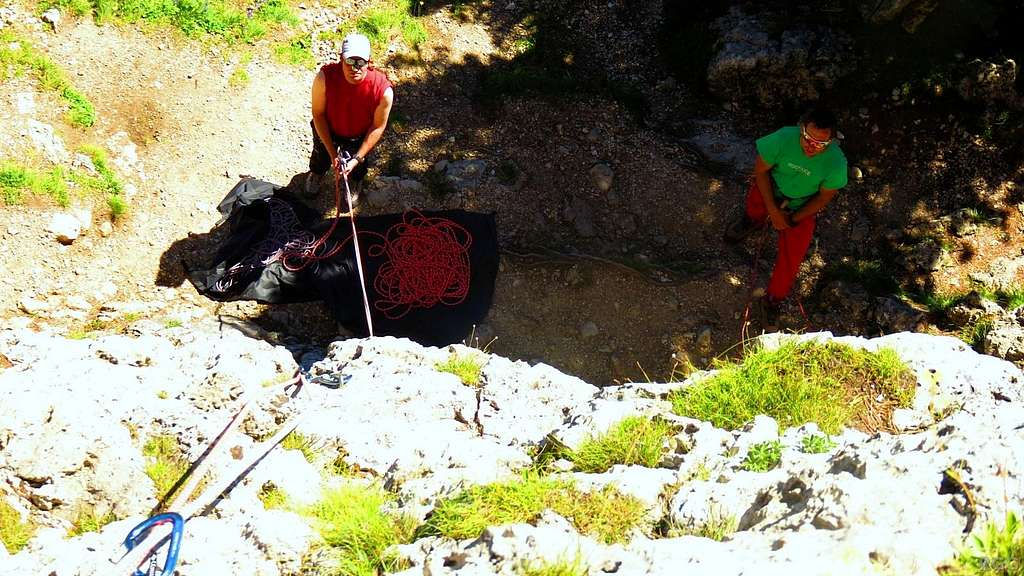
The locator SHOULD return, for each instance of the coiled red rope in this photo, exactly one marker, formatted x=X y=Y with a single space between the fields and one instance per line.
x=427 y=262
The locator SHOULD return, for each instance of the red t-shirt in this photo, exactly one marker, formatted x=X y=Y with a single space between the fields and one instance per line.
x=350 y=107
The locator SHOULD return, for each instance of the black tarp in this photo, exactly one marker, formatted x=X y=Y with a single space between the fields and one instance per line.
x=258 y=216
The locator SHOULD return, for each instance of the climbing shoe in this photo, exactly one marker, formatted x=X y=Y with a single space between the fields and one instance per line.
x=740 y=228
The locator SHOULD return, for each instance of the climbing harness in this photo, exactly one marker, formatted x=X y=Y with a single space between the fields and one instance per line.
x=144 y=540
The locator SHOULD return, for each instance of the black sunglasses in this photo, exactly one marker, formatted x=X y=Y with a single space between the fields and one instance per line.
x=356 y=62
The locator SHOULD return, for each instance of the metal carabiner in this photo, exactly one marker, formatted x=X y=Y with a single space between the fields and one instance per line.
x=139 y=532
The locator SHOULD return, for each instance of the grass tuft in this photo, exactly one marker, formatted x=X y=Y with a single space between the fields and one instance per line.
x=14 y=534
x=763 y=457
x=164 y=464
x=466 y=366
x=560 y=567
x=87 y=520
x=19 y=57
x=298 y=52
x=350 y=520
x=607 y=514
x=272 y=497
x=635 y=440
x=218 y=19
x=382 y=25
x=829 y=383
x=302 y=443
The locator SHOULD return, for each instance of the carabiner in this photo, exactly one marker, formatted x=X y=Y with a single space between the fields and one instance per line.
x=139 y=532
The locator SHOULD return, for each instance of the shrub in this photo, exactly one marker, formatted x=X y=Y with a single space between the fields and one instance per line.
x=350 y=520
x=606 y=514
x=828 y=383
x=635 y=440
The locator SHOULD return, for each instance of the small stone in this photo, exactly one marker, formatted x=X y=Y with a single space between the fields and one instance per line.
x=51 y=17
x=856 y=173
x=602 y=176
x=65 y=228
x=106 y=228
x=33 y=306
x=588 y=329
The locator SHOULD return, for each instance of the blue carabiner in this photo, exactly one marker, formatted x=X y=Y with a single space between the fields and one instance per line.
x=139 y=532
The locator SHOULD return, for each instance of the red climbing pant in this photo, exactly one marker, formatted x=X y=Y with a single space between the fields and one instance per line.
x=793 y=243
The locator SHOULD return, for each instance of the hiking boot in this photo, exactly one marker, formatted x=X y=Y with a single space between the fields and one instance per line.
x=740 y=229
x=770 y=312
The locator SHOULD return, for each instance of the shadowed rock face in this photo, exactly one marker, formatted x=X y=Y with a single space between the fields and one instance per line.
x=75 y=413
x=774 y=65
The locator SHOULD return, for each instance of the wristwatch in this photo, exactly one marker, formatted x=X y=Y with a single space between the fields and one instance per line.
x=358 y=159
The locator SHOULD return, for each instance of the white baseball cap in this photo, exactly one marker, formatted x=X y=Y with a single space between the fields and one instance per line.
x=355 y=46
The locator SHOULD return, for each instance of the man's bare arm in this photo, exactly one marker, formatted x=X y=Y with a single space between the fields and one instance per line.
x=764 y=185
x=319 y=106
x=380 y=122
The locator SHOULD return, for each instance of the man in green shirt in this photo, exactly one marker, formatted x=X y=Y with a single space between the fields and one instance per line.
x=798 y=170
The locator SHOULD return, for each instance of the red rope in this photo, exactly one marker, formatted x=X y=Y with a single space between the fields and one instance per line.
x=427 y=263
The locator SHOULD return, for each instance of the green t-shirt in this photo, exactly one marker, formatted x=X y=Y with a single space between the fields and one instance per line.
x=797 y=176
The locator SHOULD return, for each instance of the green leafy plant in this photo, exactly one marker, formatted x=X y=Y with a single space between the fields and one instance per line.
x=606 y=514
x=995 y=552
x=351 y=522
x=466 y=366
x=828 y=383
x=634 y=440
x=763 y=456
x=816 y=444
x=14 y=533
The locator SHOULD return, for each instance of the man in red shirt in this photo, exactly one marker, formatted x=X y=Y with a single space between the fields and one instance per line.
x=351 y=104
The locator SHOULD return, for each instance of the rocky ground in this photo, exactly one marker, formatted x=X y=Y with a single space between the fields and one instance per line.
x=898 y=503
x=610 y=221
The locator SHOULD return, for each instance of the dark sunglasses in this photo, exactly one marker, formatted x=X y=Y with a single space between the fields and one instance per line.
x=357 y=63
x=813 y=142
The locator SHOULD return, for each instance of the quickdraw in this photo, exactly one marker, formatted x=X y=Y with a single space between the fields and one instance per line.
x=138 y=533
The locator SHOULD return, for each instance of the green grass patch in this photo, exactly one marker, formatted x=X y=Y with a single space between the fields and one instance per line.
x=718 y=527
x=216 y=19
x=87 y=520
x=272 y=497
x=607 y=514
x=941 y=302
x=975 y=332
x=466 y=366
x=828 y=383
x=17 y=181
x=634 y=440
x=302 y=443
x=173 y=323
x=14 y=534
x=560 y=567
x=18 y=57
x=297 y=52
x=164 y=464
x=390 y=21
x=994 y=552
x=351 y=521
x=240 y=75
x=816 y=444
x=763 y=456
